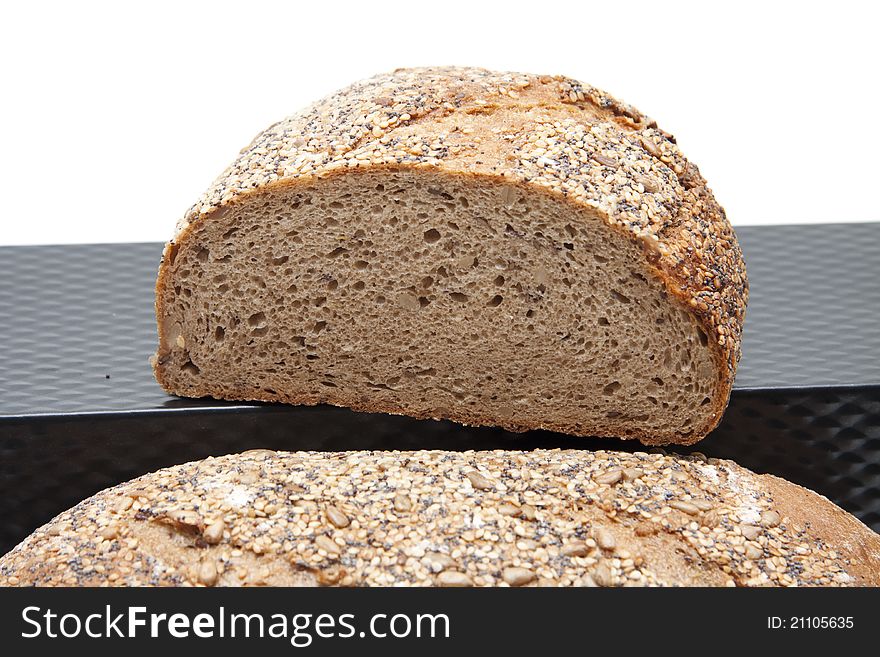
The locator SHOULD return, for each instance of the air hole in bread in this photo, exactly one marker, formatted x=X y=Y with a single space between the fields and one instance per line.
x=611 y=388
x=432 y=235
x=190 y=368
x=704 y=339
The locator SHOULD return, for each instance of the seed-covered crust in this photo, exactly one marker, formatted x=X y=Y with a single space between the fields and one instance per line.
x=548 y=133
x=546 y=517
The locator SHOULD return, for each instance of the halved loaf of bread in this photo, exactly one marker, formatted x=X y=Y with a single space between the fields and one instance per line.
x=492 y=248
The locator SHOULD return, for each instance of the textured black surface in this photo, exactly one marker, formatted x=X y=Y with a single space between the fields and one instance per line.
x=814 y=311
x=78 y=328
x=79 y=409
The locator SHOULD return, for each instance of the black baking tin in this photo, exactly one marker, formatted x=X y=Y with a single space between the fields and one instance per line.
x=80 y=410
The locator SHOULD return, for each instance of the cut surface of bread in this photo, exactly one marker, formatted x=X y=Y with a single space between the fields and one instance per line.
x=450 y=283
x=499 y=518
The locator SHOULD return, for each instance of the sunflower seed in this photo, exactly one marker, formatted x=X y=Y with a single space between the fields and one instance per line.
x=213 y=534
x=609 y=478
x=605 y=160
x=632 y=473
x=650 y=146
x=750 y=532
x=575 y=549
x=753 y=552
x=648 y=183
x=770 y=519
x=324 y=542
x=604 y=538
x=684 y=507
x=508 y=510
x=336 y=517
x=517 y=576
x=208 y=572
x=437 y=561
x=258 y=452
x=602 y=575
x=183 y=519
x=453 y=578
x=479 y=481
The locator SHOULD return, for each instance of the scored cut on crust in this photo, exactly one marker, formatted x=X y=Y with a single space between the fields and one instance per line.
x=494 y=248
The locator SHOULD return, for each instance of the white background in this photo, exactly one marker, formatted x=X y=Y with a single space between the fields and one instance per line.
x=114 y=117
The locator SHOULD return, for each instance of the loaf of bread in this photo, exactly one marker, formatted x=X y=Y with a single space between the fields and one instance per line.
x=494 y=248
x=546 y=517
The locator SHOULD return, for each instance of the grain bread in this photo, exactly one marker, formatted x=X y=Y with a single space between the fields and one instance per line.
x=545 y=517
x=493 y=248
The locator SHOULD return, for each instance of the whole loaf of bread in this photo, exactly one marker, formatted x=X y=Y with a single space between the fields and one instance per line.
x=516 y=250
x=545 y=517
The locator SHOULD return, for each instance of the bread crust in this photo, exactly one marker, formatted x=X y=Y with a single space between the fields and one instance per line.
x=545 y=517
x=655 y=198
